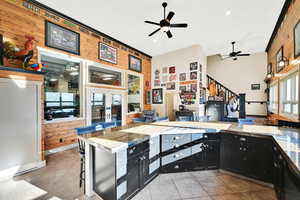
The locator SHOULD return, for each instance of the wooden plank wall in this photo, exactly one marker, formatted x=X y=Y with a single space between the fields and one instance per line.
x=285 y=38
x=18 y=19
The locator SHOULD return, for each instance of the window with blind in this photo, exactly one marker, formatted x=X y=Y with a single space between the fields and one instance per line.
x=289 y=95
x=273 y=99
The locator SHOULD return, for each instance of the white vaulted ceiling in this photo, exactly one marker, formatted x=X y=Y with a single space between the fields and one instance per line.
x=251 y=22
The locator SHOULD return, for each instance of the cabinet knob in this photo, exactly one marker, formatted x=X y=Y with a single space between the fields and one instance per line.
x=176 y=155
x=176 y=146
x=176 y=138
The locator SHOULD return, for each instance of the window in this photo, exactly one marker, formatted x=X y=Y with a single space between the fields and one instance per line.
x=289 y=95
x=134 y=93
x=273 y=99
x=104 y=76
x=62 y=98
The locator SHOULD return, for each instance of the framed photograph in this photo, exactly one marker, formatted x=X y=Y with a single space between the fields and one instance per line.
x=194 y=88
x=279 y=57
x=61 y=38
x=193 y=66
x=157 y=72
x=255 y=86
x=269 y=69
x=297 y=40
x=156 y=83
x=182 y=77
x=164 y=79
x=1 y=50
x=172 y=70
x=135 y=63
x=193 y=76
x=171 y=86
x=157 y=96
x=172 y=77
x=107 y=53
x=182 y=88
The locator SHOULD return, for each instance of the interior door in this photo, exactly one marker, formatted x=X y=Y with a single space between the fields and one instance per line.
x=170 y=106
x=98 y=107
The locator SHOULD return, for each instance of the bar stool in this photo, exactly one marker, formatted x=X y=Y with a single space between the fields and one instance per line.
x=81 y=149
x=184 y=118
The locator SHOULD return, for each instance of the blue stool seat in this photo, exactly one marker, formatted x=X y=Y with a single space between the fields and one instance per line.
x=139 y=120
x=185 y=118
x=162 y=119
x=107 y=124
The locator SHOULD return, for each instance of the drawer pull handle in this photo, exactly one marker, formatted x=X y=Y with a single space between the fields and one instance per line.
x=242 y=139
x=176 y=155
x=176 y=167
x=176 y=146
x=176 y=138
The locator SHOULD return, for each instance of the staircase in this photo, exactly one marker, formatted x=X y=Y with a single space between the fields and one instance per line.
x=227 y=95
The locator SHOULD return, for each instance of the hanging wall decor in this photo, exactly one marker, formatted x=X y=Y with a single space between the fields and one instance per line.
x=193 y=66
x=279 y=57
x=172 y=77
x=193 y=75
x=164 y=79
x=156 y=74
x=194 y=87
x=61 y=38
x=157 y=96
x=182 y=77
x=165 y=70
x=171 y=86
x=172 y=70
x=107 y=53
x=135 y=63
x=297 y=40
x=182 y=88
x=156 y=83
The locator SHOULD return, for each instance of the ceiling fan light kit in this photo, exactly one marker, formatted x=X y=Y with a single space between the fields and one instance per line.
x=235 y=54
x=165 y=24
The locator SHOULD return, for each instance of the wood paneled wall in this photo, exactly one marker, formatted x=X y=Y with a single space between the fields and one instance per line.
x=19 y=19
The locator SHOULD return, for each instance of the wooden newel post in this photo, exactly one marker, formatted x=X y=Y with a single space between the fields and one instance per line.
x=1 y=50
x=242 y=113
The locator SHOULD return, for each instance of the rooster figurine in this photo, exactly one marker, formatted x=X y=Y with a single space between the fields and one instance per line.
x=26 y=54
x=37 y=66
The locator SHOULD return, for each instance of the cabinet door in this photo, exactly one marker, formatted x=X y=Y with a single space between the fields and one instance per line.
x=291 y=187
x=133 y=175
x=144 y=170
x=278 y=174
x=260 y=159
x=212 y=154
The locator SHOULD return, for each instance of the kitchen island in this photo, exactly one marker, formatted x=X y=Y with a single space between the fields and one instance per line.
x=121 y=161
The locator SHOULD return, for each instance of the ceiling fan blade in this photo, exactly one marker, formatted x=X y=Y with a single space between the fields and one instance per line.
x=238 y=52
x=170 y=15
x=149 y=22
x=154 y=32
x=169 y=34
x=179 y=25
x=245 y=54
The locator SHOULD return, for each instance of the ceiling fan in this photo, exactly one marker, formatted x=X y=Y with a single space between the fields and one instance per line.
x=235 y=54
x=165 y=24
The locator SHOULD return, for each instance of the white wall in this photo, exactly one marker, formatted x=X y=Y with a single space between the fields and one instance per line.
x=181 y=59
x=239 y=75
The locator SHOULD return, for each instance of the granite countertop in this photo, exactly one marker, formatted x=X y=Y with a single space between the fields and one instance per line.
x=121 y=137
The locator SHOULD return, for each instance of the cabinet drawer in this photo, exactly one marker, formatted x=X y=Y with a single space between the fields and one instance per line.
x=121 y=189
x=211 y=136
x=197 y=148
x=136 y=149
x=154 y=146
x=197 y=136
x=175 y=140
x=121 y=162
x=154 y=166
x=176 y=156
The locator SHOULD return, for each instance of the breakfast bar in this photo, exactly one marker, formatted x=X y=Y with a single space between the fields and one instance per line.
x=122 y=161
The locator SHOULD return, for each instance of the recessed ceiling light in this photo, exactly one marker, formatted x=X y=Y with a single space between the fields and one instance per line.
x=228 y=13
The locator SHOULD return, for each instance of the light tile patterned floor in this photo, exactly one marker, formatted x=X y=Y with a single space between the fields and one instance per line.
x=204 y=185
x=61 y=180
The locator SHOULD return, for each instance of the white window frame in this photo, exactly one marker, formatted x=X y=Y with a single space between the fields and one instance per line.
x=102 y=66
x=273 y=98
x=141 y=76
x=294 y=95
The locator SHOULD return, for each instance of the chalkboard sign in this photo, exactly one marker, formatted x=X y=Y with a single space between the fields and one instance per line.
x=1 y=49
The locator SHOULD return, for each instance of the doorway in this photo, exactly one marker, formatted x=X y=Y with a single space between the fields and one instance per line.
x=170 y=106
x=105 y=105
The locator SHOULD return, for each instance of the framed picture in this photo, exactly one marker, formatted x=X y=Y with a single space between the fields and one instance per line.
x=107 y=53
x=164 y=79
x=255 y=86
x=182 y=88
x=172 y=70
x=135 y=63
x=200 y=68
x=171 y=86
x=193 y=75
x=279 y=57
x=193 y=66
x=172 y=77
x=193 y=87
x=1 y=50
x=182 y=77
x=61 y=38
x=269 y=69
x=165 y=70
x=157 y=72
x=297 y=40
x=156 y=83
x=157 y=96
